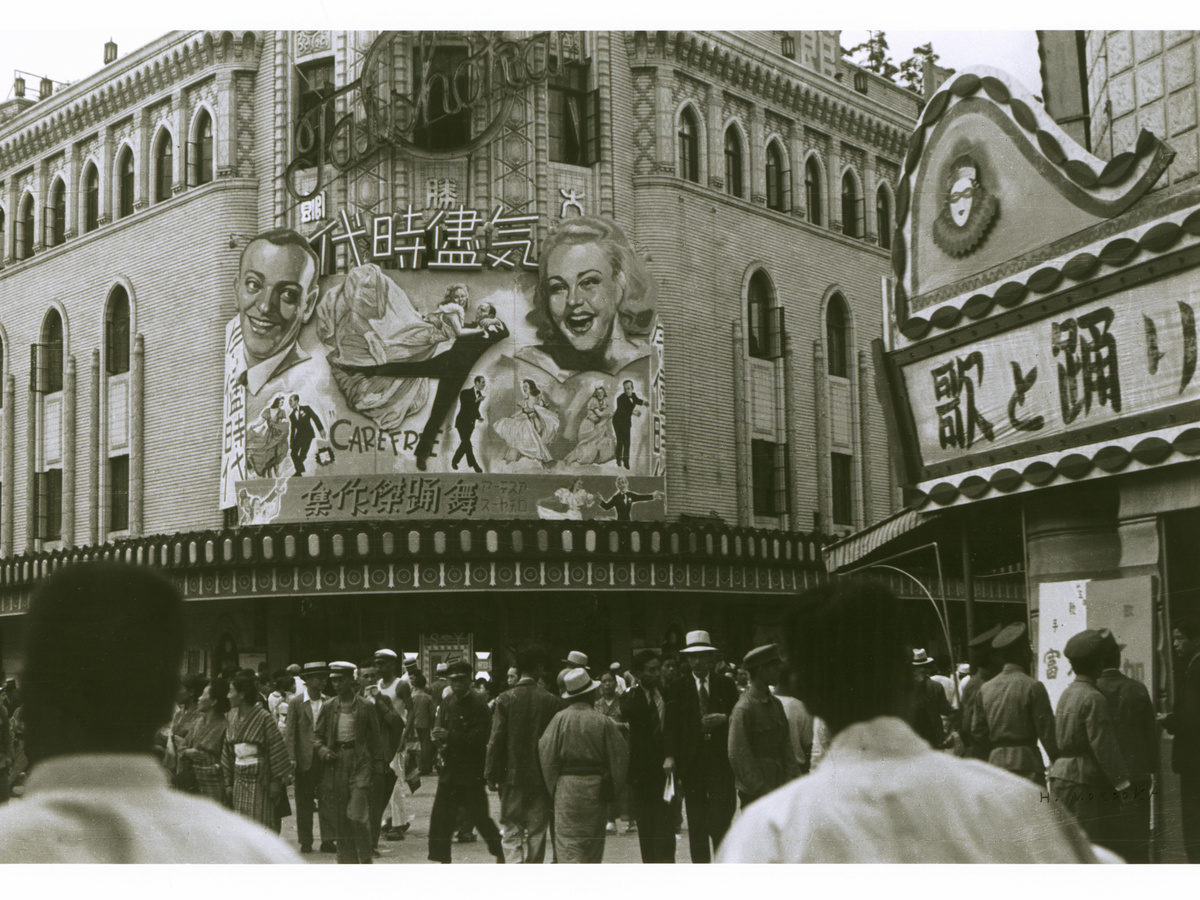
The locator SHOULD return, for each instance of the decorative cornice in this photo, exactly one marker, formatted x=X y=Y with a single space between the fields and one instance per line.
x=739 y=69
x=120 y=87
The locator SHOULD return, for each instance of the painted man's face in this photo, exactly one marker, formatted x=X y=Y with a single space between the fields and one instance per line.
x=276 y=293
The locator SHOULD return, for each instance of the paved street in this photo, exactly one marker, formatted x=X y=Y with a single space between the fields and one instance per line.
x=620 y=848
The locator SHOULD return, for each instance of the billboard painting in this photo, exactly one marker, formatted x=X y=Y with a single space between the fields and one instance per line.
x=446 y=391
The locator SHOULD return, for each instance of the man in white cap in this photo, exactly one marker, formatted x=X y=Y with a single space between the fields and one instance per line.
x=303 y=722
x=399 y=691
x=622 y=686
x=696 y=739
x=930 y=708
x=349 y=740
x=760 y=742
x=584 y=762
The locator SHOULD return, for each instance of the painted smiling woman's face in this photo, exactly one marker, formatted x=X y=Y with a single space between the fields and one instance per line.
x=584 y=295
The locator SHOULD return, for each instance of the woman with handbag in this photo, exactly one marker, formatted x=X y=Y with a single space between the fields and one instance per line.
x=254 y=759
x=200 y=750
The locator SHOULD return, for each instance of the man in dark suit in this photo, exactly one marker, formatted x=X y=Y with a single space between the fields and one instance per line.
x=302 y=420
x=622 y=501
x=303 y=721
x=469 y=402
x=645 y=710
x=1184 y=722
x=695 y=739
x=623 y=420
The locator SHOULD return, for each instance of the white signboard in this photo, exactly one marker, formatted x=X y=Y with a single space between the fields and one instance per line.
x=1062 y=614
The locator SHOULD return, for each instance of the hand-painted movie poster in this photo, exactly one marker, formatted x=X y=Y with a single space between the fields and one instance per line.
x=445 y=391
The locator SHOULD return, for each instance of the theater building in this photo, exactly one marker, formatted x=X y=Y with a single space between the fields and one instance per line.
x=302 y=488
x=1040 y=348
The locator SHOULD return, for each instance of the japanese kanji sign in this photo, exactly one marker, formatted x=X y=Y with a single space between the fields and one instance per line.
x=1062 y=614
x=1128 y=355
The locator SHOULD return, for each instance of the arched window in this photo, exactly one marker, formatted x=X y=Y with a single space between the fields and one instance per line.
x=762 y=317
x=125 y=183
x=689 y=145
x=116 y=332
x=837 y=336
x=202 y=150
x=57 y=218
x=91 y=198
x=26 y=229
x=775 y=176
x=50 y=354
x=812 y=190
x=164 y=164
x=883 y=217
x=851 y=214
x=733 y=162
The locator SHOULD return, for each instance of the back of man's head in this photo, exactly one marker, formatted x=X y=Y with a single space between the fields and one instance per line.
x=117 y=624
x=531 y=660
x=834 y=626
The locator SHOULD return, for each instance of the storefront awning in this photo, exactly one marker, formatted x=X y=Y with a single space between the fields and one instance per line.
x=850 y=549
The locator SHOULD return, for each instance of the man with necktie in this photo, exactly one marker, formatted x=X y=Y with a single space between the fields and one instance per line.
x=645 y=709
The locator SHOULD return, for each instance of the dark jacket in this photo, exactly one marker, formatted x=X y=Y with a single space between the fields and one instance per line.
x=468 y=722
x=699 y=753
x=646 y=743
x=1132 y=712
x=623 y=414
x=301 y=731
x=1184 y=721
x=468 y=409
x=521 y=716
x=367 y=737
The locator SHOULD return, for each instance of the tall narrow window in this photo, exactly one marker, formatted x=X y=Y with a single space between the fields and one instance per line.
x=3 y=239
x=116 y=332
x=573 y=116
x=733 y=162
x=775 y=176
x=883 y=217
x=91 y=198
x=761 y=317
x=26 y=226
x=689 y=145
x=47 y=503
x=202 y=150
x=126 y=182
x=50 y=354
x=812 y=190
x=768 y=469
x=842 y=480
x=118 y=493
x=316 y=118
x=58 y=213
x=443 y=123
x=164 y=167
x=851 y=216
x=837 y=334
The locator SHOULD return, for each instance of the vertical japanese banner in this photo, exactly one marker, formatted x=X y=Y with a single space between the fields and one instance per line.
x=1125 y=607
x=1062 y=613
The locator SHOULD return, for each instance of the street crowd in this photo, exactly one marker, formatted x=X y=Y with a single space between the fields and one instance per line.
x=888 y=760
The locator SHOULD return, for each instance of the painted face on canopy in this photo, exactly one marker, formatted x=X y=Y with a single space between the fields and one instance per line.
x=584 y=295
x=276 y=293
x=961 y=194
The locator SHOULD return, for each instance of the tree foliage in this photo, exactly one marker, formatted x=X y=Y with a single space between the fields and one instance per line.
x=872 y=55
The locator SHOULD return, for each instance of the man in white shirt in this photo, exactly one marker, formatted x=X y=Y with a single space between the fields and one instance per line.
x=881 y=793
x=95 y=794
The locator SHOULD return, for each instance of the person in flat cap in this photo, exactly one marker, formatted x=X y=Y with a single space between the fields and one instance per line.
x=95 y=792
x=303 y=723
x=760 y=742
x=930 y=708
x=696 y=740
x=983 y=669
x=461 y=731
x=881 y=794
x=1016 y=710
x=397 y=708
x=1089 y=776
x=584 y=763
x=348 y=741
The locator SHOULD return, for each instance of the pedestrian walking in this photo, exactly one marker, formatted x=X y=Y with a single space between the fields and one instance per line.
x=1184 y=723
x=882 y=794
x=461 y=733
x=972 y=719
x=513 y=767
x=347 y=743
x=1089 y=775
x=1016 y=711
x=929 y=707
x=645 y=711
x=696 y=740
x=303 y=723
x=760 y=742
x=584 y=763
x=609 y=703
x=254 y=760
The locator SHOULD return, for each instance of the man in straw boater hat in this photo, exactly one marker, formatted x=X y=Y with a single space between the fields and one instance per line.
x=760 y=741
x=95 y=793
x=1016 y=711
x=584 y=762
x=929 y=704
x=881 y=794
x=348 y=741
x=696 y=739
x=303 y=722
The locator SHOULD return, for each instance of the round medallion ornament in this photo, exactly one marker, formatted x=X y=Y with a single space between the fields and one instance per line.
x=969 y=210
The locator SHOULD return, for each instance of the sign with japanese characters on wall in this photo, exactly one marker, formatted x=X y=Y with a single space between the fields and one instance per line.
x=457 y=370
x=1129 y=355
x=1062 y=614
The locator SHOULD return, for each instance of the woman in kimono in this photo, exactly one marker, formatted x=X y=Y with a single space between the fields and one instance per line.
x=200 y=749
x=254 y=760
x=529 y=431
